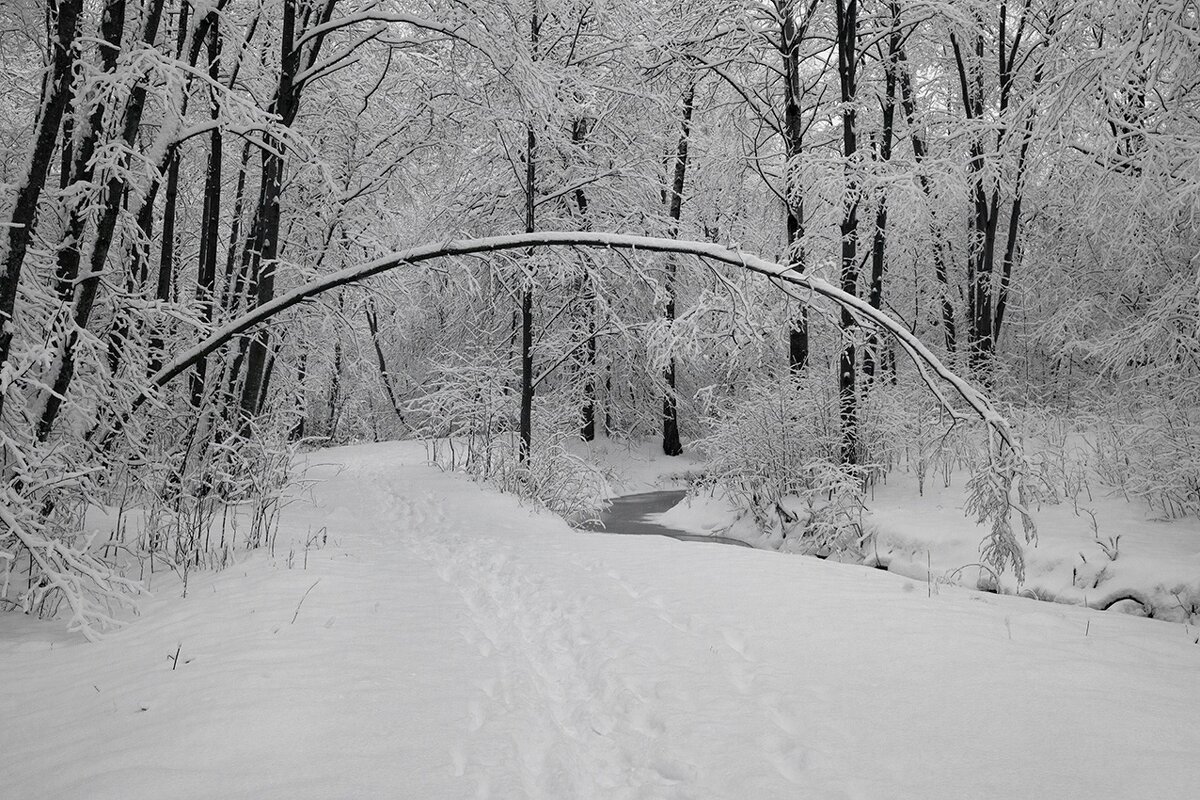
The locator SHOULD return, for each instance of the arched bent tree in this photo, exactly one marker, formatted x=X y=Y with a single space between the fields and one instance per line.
x=995 y=493
x=933 y=371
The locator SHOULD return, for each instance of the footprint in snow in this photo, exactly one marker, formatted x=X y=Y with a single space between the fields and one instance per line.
x=788 y=756
x=459 y=759
x=735 y=640
x=475 y=710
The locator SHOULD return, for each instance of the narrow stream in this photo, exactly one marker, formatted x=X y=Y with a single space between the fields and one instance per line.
x=628 y=514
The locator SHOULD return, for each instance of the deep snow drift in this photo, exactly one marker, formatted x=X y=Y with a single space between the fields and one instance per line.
x=446 y=643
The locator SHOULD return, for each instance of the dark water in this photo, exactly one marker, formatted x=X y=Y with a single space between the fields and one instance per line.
x=627 y=515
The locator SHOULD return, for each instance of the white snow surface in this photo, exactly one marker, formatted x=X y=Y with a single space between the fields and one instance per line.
x=1087 y=552
x=453 y=644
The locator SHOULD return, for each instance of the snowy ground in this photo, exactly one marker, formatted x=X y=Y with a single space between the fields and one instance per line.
x=1090 y=551
x=447 y=643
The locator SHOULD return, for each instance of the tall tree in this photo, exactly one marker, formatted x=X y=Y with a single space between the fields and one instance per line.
x=678 y=176
x=847 y=53
x=55 y=92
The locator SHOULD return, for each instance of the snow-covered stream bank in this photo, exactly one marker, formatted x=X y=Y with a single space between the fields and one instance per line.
x=633 y=514
x=448 y=643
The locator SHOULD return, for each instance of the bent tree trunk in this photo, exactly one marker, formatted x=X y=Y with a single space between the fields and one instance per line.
x=931 y=367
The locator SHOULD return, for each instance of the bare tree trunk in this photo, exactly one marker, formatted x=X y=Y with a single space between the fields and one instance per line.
x=112 y=26
x=982 y=228
x=1014 y=218
x=206 y=271
x=335 y=386
x=266 y=245
x=381 y=362
x=986 y=296
x=847 y=36
x=56 y=90
x=166 y=252
x=302 y=412
x=671 y=443
x=791 y=34
x=527 y=388
x=88 y=285
x=579 y=133
x=266 y=248
x=879 y=244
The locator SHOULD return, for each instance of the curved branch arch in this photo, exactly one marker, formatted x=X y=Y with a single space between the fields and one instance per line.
x=929 y=364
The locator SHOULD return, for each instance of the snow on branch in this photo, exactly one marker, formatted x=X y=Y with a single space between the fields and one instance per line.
x=1002 y=488
x=423 y=23
x=928 y=362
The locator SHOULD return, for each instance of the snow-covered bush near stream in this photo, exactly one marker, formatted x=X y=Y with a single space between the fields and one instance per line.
x=467 y=420
x=772 y=454
x=915 y=511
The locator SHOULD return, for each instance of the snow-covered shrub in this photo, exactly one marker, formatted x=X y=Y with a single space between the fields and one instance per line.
x=903 y=425
x=468 y=421
x=467 y=405
x=48 y=563
x=1000 y=484
x=553 y=477
x=1059 y=453
x=826 y=519
x=185 y=509
x=773 y=453
x=1149 y=448
x=1141 y=445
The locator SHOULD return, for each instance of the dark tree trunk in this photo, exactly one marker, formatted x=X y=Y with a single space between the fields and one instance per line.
x=381 y=362
x=269 y=370
x=301 y=410
x=847 y=36
x=986 y=296
x=265 y=258
x=791 y=35
x=56 y=90
x=112 y=27
x=88 y=286
x=587 y=412
x=871 y=354
x=233 y=282
x=672 y=446
x=982 y=226
x=206 y=271
x=1014 y=216
x=335 y=387
x=527 y=387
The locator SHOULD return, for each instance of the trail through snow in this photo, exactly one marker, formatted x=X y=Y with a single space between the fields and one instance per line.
x=452 y=644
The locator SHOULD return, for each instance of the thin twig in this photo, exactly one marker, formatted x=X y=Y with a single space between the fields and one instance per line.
x=314 y=583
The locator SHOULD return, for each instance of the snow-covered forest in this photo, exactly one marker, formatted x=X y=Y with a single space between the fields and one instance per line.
x=906 y=284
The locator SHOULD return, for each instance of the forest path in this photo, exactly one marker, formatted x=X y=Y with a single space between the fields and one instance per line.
x=444 y=642
x=596 y=687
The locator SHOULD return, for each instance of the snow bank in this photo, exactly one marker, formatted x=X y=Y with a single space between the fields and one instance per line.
x=446 y=642
x=1102 y=553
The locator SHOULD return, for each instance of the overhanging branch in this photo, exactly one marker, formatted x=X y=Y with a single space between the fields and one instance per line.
x=930 y=364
